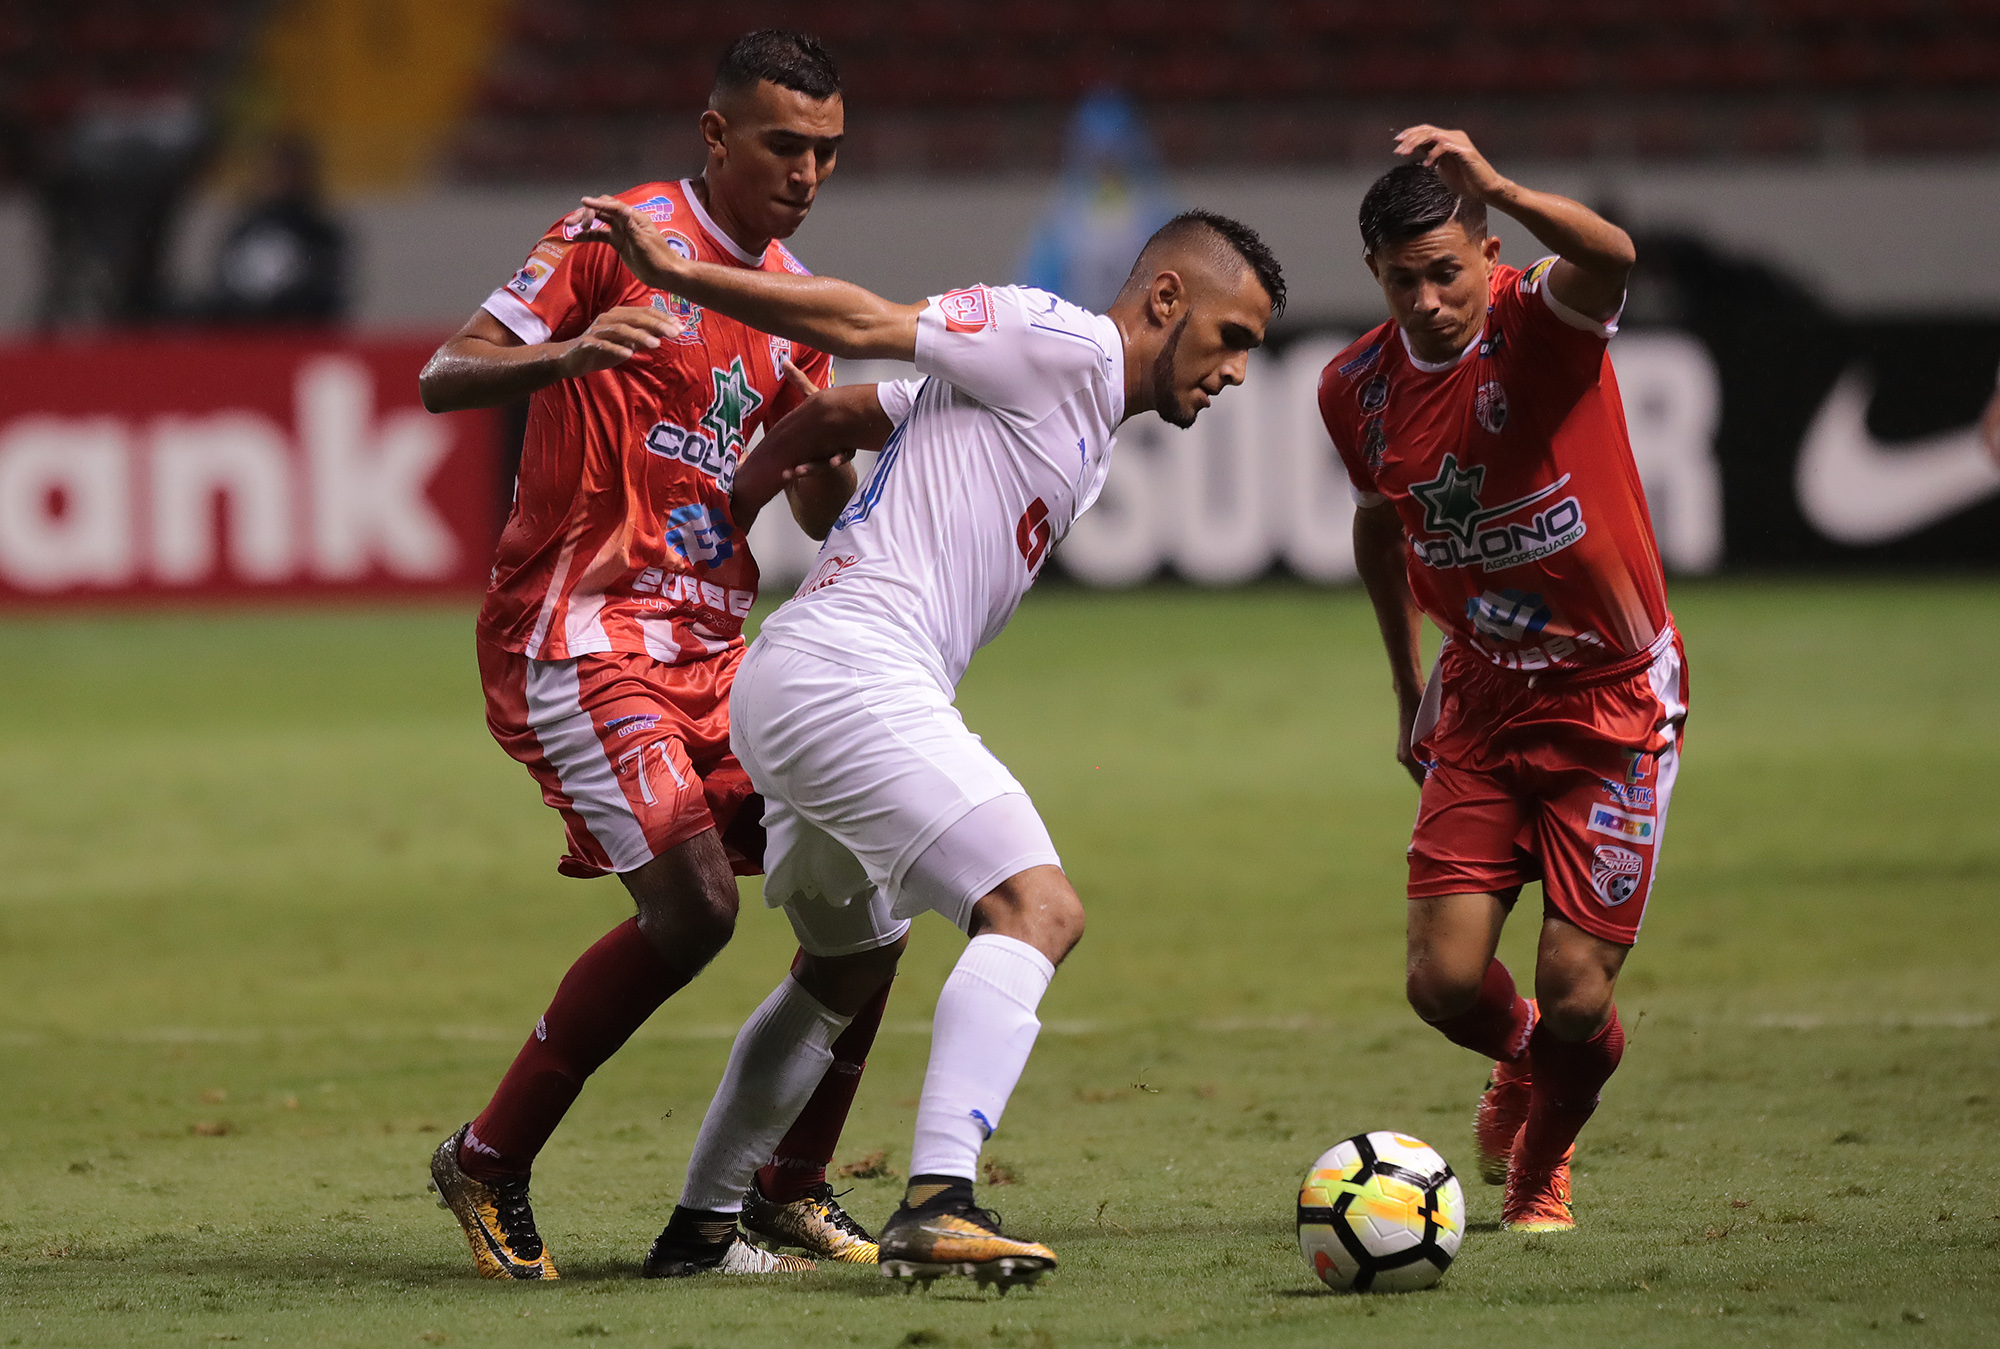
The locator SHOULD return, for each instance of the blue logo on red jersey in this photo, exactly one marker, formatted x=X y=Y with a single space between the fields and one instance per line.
x=698 y=536
x=659 y=210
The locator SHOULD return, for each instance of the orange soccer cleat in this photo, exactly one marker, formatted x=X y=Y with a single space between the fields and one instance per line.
x=1537 y=1198
x=951 y=1235
x=1497 y=1121
x=498 y=1221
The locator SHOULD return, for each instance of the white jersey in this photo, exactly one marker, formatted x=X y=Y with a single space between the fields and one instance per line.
x=993 y=458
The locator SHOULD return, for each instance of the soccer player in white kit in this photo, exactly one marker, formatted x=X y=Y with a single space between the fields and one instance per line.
x=880 y=804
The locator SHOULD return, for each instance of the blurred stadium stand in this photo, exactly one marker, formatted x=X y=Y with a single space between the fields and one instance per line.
x=963 y=86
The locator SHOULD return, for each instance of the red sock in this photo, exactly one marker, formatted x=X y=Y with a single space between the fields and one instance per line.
x=799 y=1164
x=607 y=994
x=1498 y=1024
x=1568 y=1076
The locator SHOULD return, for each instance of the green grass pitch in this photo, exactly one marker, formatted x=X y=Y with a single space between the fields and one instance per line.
x=275 y=913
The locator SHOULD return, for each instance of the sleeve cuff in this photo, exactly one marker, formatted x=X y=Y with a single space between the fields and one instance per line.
x=1607 y=329
x=520 y=320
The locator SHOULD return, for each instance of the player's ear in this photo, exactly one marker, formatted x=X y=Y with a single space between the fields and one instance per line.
x=1166 y=297
x=713 y=127
x=1490 y=246
x=1374 y=268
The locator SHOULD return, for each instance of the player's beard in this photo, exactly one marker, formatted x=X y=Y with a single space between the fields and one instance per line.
x=1166 y=397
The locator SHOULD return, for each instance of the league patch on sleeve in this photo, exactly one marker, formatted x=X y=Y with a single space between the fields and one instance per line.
x=535 y=273
x=967 y=311
x=1533 y=276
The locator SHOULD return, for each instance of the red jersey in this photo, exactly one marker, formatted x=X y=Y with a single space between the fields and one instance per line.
x=621 y=537
x=1513 y=477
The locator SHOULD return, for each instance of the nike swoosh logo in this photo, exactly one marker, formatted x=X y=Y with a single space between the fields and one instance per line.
x=1856 y=490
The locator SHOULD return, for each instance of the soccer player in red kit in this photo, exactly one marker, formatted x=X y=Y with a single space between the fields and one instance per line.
x=1484 y=437
x=613 y=625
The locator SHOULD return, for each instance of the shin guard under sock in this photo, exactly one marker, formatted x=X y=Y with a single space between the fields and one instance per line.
x=798 y=1166
x=1499 y=1024
x=1569 y=1075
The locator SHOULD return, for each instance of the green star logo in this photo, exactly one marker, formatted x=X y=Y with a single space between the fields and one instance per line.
x=732 y=405
x=1451 y=499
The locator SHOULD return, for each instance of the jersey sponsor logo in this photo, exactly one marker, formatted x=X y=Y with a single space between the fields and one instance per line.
x=734 y=401
x=698 y=536
x=1510 y=615
x=1032 y=534
x=1615 y=873
x=1472 y=533
x=632 y=725
x=828 y=572
x=687 y=588
x=1489 y=406
x=1625 y=824
x=967 y=311
x=1368 y=357
x=1638 y=763
x=789 y=261
x=659 y=210
x=535 y=273
x=1492 y=345
x=1375 y=394
x=1627 y=795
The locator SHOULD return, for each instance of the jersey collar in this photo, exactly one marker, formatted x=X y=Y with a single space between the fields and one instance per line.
x=1439 y=367
x=715 y=231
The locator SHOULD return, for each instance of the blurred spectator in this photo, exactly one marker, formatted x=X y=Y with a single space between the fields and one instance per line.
x=285 y=260
x=1111 y=198
x=111 y=184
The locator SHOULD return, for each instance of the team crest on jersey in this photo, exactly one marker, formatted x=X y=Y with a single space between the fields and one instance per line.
x=967 y=311
x=699 y=536
x=687 y=311
x=1375 y=394
x=781 y=351
x=1510 y=615
x=1489 y=406
x=1615 y=873
x=1465 y=532
x=1374 y=444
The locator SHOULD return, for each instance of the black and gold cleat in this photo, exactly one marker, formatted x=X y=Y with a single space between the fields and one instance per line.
x=815 y=1224
x=945 y=1233
x=499 y=1223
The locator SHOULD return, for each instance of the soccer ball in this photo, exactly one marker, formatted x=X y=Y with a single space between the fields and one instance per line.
x=1380 y=1213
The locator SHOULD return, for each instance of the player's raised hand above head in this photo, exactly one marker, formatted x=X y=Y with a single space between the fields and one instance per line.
x=615 y=336
x=607 y=220
x=1457 y=161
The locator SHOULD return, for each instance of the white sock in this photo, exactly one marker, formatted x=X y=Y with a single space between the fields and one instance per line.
x=980 y=1038
x=779 y=1057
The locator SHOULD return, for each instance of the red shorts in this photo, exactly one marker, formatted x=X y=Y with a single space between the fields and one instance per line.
x=1564 y=780
x=632 y=753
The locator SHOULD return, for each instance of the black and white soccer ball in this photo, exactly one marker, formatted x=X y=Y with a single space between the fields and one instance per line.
x=1380 y=1213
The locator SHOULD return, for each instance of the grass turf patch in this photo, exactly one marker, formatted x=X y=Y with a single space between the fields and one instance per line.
x=278 y=913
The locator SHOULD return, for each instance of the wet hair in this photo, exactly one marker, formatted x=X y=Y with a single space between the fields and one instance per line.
x=1226 y=242
x=1411 y=200
x=787 y=59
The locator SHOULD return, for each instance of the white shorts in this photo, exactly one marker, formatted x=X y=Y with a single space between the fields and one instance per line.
x=864 y=776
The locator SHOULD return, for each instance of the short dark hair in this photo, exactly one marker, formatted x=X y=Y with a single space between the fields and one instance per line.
x=1411 y=200
x=787 y=59
x=1220 y=233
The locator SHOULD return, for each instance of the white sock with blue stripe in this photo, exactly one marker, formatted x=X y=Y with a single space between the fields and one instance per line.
x=982 y=1033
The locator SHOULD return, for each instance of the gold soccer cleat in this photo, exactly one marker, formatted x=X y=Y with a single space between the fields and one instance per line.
x=816 y=1224
x=1538 y=1201
x=669 y=1260
x=922 y=1245
x=498 y=1221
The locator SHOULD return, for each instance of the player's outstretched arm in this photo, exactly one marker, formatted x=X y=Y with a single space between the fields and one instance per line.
x=814 y=439
x=1379 y=554
x=1595 y=255
x=484 y=364
x=836 y=316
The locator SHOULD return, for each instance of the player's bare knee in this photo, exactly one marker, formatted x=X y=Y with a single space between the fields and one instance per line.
x=1437 y=994
x=1038 y=907
x=1578 y=1011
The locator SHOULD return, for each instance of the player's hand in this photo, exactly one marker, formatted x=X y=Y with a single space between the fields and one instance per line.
x=1406 y=720
x=1989 y=427
x=1464 y=170
x=616 y=336
x=803 y=382
x=607 y=220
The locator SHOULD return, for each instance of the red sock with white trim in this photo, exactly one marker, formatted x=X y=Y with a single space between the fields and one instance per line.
x=607 y=994
x=800 y=1161
x=1498 y=1025
x=1569 y=1074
